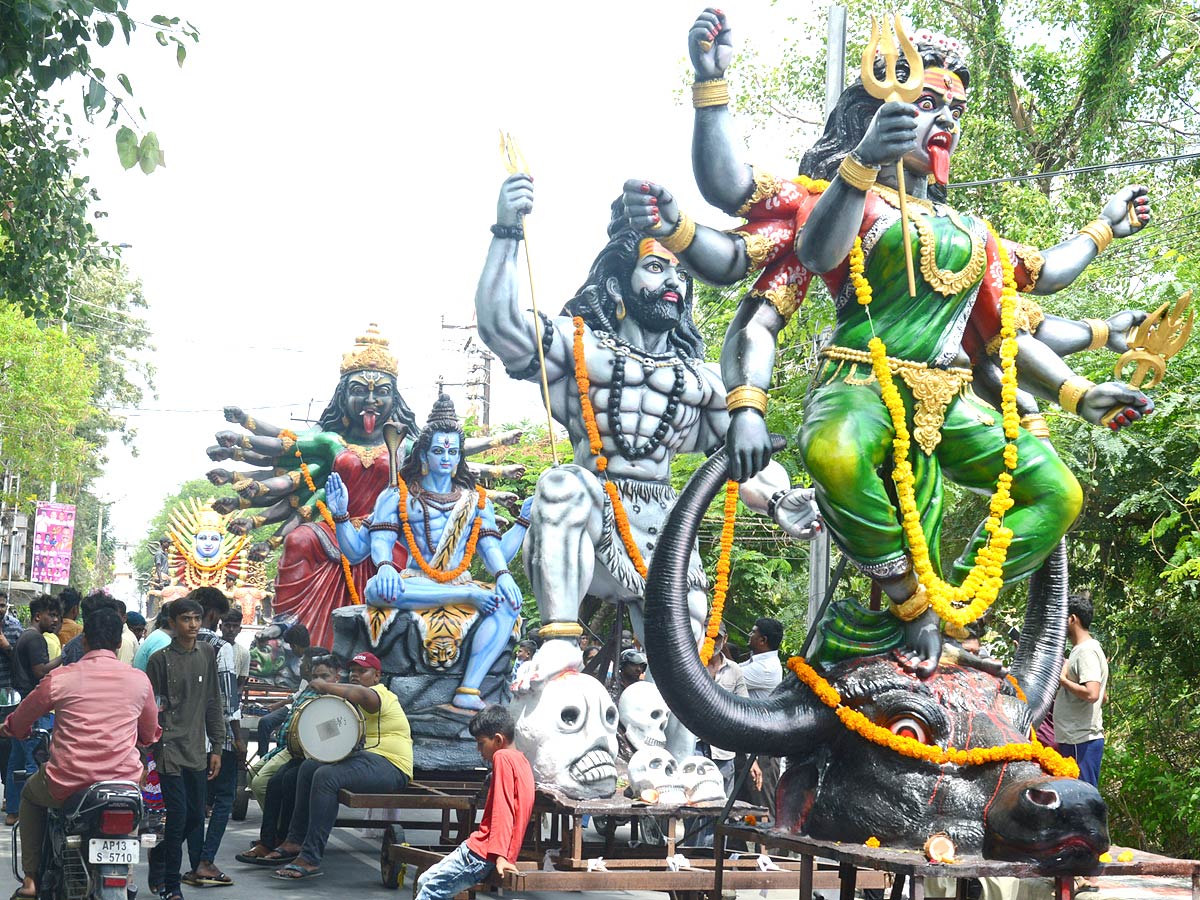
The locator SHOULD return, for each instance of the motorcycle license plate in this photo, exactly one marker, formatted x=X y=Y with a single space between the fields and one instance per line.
x=113 y=851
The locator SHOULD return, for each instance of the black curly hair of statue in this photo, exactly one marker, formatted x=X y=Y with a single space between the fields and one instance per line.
x=596 y=305
x=442 y=420
x=855 y=108
x=331 y=418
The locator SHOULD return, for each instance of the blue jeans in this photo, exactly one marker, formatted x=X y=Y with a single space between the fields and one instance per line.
x=203 y=847
x=461 y=869
x=20 y=766
x=267 y=726
x=317 y=787
x=183 y=796
x=1089 y=755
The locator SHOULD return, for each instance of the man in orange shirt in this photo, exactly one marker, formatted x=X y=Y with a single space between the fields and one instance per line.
x=495 y=844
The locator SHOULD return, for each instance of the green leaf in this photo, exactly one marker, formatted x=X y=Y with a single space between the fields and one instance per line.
x=126 y=24
x=127 y=147
x=180 y=54
x=149 y=153
x=93 y=101
x=104 y=32
x=161 y=37
x=124 y=79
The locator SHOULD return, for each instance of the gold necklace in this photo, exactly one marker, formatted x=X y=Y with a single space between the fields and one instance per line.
x=945 y=281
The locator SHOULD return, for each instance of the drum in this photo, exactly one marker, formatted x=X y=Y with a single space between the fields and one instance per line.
x=326 y=728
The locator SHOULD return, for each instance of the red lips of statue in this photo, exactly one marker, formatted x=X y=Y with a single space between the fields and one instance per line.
x=938 y=148
x=368 y=420
x=671 y=297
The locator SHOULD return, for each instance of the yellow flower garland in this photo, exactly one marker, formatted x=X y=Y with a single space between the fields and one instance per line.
x=286 y=434
x=1052 y=762
x=438 y=575
x=721 y=588
x=593 y=431
x=957 y=605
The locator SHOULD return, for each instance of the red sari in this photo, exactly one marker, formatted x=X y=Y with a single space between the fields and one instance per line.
x=310 y=583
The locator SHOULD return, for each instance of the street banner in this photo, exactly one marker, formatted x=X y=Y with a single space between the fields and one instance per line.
x=53 y=537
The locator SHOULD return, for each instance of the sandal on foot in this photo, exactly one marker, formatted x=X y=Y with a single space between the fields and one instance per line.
x=254 y=860
x=218 y=880
x=293 y=872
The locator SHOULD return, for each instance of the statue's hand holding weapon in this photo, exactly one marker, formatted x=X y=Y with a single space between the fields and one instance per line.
x=1121 y=326
x=1128 y=210
x=516 y=199
x=891 y=134
x=710 y=45
x=1100 y=402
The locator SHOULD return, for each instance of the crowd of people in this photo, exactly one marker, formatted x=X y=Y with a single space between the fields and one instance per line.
x=163 y=709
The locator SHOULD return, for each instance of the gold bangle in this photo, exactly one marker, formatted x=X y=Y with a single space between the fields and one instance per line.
x=1100 y=232
x=747 y=395
x=560 y=629
x=1099 y=333
x=710 y=93
x=857 y=174
x=681 y=236
x=913 y=606
x=474 y=692
x=1035 y=424
x=1072 y=392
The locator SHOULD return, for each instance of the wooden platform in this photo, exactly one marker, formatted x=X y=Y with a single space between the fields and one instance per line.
x=913 y=865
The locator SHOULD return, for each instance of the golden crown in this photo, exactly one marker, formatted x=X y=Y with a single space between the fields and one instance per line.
x=370 y=352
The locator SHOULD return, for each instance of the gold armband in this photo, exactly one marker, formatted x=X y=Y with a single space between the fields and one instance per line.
x=710 y=93
x=1099 y=333
x=857 y=174
x=682 y=236
x=747 y=395
x=1035 y=424
x=1100 y=232
x=1072 y=392
x=913 y=606
x=560 y=630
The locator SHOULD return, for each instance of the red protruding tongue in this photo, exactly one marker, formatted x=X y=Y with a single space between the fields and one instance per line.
x=369 y=422
x=939 y=160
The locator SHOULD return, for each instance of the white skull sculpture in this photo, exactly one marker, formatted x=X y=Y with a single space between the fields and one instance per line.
x=654 y=769
x=567 y=729
x=644 y=715
x=702 y=780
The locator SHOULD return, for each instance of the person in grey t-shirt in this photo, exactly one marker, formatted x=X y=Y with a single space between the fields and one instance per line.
x=1078 y=705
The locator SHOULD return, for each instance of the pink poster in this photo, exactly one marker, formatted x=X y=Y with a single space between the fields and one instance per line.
x=53 y=536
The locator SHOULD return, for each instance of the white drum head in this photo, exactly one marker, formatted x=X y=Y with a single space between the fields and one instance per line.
x=329 y=729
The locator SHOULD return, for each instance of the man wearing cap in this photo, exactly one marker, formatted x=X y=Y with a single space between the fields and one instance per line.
x=384 y=765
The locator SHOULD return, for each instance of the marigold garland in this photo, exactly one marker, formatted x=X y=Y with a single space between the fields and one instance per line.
x=438 y=575
x=326 y=515
x=721 y=588
x=593 y=432
x=959 y=605
x=1051 y=761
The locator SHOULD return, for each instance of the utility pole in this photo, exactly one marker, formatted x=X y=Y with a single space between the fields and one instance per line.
x=835 y=81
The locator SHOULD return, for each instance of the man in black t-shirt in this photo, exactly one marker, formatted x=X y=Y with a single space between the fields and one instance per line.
x=30 y=663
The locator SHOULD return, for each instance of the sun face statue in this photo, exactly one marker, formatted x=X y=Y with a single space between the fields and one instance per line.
x=203 y=553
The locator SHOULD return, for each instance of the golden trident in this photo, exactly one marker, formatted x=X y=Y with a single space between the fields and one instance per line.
x=514 y=162
x=889 y=89
x=1160 y=336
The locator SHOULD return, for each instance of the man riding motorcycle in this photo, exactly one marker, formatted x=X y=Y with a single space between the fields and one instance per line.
x=104 y=709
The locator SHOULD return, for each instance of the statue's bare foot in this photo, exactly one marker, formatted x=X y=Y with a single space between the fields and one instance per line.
x=922 y=645
x=468 y=701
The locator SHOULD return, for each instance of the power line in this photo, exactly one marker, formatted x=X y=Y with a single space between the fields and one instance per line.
x=1081 y=170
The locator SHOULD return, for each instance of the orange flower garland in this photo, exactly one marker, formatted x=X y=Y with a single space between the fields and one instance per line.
x=593 y=432
x=441 y=577
x=722 y=586
x=1051 y=762
x=324 y=511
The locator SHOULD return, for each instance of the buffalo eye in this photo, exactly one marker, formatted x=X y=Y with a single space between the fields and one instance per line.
x=910 y=726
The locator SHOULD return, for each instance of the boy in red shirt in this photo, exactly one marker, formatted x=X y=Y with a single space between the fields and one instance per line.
x=495 y=844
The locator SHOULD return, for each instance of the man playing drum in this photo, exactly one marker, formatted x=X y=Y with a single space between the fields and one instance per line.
x=383 y=765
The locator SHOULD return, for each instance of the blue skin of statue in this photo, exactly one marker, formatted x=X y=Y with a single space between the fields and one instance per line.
x=500 y=608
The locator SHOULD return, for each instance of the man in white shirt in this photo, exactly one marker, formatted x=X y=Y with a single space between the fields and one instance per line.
x=1078 y=705
x=762 y=673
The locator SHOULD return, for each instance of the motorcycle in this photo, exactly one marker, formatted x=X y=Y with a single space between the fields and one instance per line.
x=93 y=842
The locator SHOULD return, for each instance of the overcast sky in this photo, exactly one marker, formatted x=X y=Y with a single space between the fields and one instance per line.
x=330 y=166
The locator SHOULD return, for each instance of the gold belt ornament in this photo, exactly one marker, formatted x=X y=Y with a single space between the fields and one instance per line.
x=932 y=391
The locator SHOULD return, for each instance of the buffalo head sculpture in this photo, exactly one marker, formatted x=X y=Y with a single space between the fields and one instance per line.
x=839 y=786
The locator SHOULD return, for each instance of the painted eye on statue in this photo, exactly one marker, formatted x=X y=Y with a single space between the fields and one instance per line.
x=926 y=103
x=610 y=715
x=957 y=111
x=654 y=266
x=910 y=726
x=572 y=718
